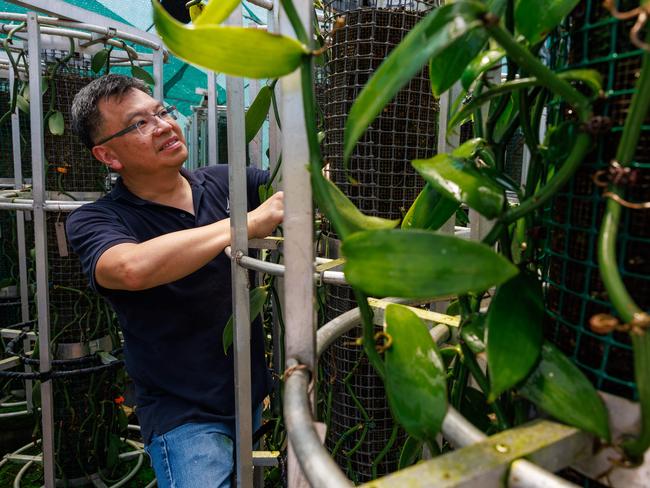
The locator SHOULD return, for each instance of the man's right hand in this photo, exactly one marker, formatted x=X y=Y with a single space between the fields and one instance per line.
x=264 y=219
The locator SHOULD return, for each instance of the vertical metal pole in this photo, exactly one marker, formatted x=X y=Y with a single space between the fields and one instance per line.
x=240 y=286
x=204 y=137
x=298 y=226
x=274 y=151
x=255 y=146
x=298 y=219
x=443 y=116
x=275 y=136
x=20 y=233
x=213 y=133
x=159 y=87
x=194 y=138
x=20 y=216
x=40 y=238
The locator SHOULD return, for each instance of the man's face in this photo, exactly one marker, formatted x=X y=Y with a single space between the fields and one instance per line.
x=135 y=153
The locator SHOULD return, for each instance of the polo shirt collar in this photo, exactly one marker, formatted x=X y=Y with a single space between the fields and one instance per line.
x=120 y=191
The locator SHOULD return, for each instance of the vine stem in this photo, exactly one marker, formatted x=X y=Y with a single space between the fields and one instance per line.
x=578 y=152
x=618 y=294
x=531 y=65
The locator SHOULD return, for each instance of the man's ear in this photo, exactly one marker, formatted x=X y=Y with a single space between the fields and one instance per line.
x=106 y=156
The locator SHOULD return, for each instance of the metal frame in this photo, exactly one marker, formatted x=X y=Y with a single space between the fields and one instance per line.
x=64 y=10
x=39 y=203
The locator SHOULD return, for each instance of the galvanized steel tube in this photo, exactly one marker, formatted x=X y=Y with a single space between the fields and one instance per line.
x=315 y=461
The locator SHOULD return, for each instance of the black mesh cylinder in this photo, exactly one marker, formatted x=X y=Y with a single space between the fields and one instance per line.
x=360 y=422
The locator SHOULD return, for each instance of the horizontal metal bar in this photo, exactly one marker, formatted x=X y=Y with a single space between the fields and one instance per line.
x=345 y=322
x=10 y=362
x=11 y=333
x=75 y=34
x=131 y=454
x=24 y=458
x=428 y=316
x=48 y=206
x=266 y=4
x=486 y=463
x=13 y=404
x=65 y=10
x=266 y=458
x=329 y=277
x=9 y=415
x=270 y=243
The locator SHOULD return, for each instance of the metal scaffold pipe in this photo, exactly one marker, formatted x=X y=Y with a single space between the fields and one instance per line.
x=107 y=32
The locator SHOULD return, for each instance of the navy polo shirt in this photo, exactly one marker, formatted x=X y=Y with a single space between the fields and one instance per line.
x=172 y=333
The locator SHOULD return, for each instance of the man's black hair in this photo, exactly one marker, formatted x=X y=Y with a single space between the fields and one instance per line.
x=86 y=118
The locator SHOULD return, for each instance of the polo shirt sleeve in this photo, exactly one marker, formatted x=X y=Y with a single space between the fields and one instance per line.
x=91 y=230
x=255 y=178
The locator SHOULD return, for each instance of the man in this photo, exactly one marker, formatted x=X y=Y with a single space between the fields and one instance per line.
x=153 y=248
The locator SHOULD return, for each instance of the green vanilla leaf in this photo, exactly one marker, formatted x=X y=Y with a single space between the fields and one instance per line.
x=514 y=325
x=589 y=77
x=113 y=451
x=447 y=67
x=483 y=62
x=256 y=114
x=535 y=19
x=215 y=12
x=22 y=103
x=339 y=209
x=142 y=74
x=559 y=388
x=99 y=60
x=257 y=298
x=264 y=193
x=415 y=380
x=411 y=452
x=510 y=113
x=473 y=333
x=459 y=179
x=430 y=210
x=519 y=242
x=469 y=148
x=56 y=124
x=236 y=51
x=436 y=32
x=421 y=264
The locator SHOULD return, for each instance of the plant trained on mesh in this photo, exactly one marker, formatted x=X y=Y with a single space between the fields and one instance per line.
x=461 y=42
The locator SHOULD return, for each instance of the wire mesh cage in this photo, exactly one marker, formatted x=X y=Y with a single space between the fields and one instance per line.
x=405 y=130
x=201 y=134
x=6 y=154
x=575 y=292
x=70 y=166
x=514 y=160
x=361 y=432
x=9 y=274
x=78 y=315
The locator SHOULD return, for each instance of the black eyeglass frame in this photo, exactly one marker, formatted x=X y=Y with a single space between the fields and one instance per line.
x=171 y=110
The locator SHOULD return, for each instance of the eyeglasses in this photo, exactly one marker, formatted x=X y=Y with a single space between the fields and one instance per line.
x=146 y=124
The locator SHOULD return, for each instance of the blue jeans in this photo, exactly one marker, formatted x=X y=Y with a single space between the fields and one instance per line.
x=196 y=454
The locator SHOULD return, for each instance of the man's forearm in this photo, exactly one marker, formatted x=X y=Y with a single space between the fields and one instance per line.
x=163 y=259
